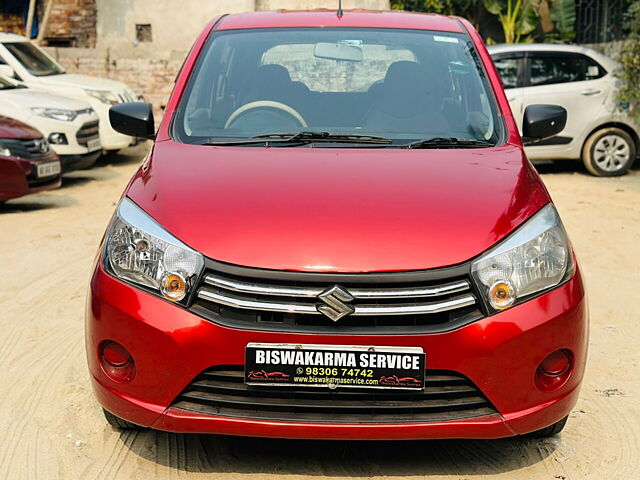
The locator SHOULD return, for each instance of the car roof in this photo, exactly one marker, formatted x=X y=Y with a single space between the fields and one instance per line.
x=351 y=18
x=12 y=37
x=607 y=62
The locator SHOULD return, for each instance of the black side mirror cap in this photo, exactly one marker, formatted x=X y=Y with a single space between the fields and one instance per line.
x=134 y=119
x=542 y=122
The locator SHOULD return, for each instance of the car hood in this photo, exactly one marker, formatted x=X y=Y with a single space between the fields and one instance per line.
x=83 y=81
x=11 y=128
x=25 y=98
x=338 y=210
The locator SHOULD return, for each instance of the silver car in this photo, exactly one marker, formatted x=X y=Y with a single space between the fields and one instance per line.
x=599 y=132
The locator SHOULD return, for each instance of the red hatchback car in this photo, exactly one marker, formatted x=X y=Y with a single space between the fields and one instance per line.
x=27 y=163
x=335 y=201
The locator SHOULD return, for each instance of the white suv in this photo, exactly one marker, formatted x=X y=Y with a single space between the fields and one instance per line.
x=70 y=126
x=583 y=81
x=23 y=60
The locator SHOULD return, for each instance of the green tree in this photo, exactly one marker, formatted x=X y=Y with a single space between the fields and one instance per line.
x=469 y=9
x=518 y=18
x=629 y=74
x=557 y=19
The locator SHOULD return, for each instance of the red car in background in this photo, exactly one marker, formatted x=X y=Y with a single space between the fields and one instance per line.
x=27 y=164
x=338 y=198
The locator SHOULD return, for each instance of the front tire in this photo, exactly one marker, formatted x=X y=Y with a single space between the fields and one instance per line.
x=119 y=423
x=549 y=431
x=609 y=152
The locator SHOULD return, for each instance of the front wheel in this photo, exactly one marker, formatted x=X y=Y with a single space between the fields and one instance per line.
x=120 y=423
x=609 y=152
x=549 y=431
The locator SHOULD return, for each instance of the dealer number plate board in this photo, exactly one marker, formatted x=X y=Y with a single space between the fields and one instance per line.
x=334 y=366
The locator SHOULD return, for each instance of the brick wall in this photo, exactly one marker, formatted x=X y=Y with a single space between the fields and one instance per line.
x=150 y=77
x=72 y=20
x=13 y=23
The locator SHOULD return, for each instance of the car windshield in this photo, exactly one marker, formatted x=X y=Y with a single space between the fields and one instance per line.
x=401 y=85
x=33 y=59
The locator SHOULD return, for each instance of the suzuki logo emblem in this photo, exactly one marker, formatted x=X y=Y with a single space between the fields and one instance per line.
x=335 y=304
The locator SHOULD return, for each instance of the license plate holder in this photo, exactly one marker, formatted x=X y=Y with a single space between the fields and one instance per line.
x=48 y=169
x=335 y=366
x=93 y=145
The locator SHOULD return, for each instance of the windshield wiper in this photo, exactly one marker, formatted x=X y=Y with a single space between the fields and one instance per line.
x=448 y=142
x=304 y=137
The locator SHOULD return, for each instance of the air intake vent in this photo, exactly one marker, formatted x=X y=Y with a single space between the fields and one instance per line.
x=222 y=391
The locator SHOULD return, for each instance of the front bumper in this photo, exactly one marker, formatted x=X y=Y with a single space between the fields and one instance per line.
x=18 y=177
x=500 y=354
x=49 y=126
x=110 y=139
x=79 y=162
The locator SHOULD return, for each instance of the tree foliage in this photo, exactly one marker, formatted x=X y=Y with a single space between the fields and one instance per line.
x=629 y=92
x=521 y=20
x=463 y=8
x=518 y=18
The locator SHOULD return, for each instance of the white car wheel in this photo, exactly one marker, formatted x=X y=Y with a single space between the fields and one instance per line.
x=609 y=152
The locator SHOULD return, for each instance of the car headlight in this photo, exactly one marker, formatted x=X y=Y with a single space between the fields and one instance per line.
x=4 y=150
x=535 y=258
x=105 y=96
x=140 y=251
x=55 y=113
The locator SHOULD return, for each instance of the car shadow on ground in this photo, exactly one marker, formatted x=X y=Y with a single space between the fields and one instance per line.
x=81 y=177
x=134 y=154
x=242 y=455
x=570 y=166
x=35 y=202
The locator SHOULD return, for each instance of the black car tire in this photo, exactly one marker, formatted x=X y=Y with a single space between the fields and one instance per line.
x=594 y=152
x=119 y=423
x=549 y=431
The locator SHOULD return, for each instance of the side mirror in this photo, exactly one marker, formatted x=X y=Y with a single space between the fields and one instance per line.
x=7 y=71
x=542 y=122
x=134 y=119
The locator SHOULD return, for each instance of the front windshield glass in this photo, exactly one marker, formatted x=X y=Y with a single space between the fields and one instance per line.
x=33 y=59
x=403 y=85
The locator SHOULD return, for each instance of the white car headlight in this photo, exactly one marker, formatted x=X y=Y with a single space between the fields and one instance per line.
x=105 y=96
x=140 y=251
x=55 y=113
x=535 y=258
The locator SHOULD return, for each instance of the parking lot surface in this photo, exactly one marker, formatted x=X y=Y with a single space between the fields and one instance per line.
x=51 y=427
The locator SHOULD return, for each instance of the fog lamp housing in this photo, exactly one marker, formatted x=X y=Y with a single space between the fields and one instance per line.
x=116 y=361
x=58 y=139
x=554 y=370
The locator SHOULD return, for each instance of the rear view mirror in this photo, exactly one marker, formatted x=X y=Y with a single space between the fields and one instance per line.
x=134 y=119
x=7 y=71
x=542 y=122
x=342 y=51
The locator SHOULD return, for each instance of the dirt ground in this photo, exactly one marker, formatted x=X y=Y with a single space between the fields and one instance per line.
x=52 y=428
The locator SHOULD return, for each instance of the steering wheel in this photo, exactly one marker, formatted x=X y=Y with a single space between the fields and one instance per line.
x=265 y=104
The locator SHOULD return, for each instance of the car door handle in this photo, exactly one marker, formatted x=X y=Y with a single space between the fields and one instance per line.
x=511 y=99
x=590 y=91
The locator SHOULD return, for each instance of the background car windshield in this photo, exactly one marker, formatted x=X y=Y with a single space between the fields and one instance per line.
x=400 y=84
x=31 y=58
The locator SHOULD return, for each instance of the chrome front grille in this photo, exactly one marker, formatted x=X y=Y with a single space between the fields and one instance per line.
x=27 y=148
x=334 y=305
x=126 y=97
